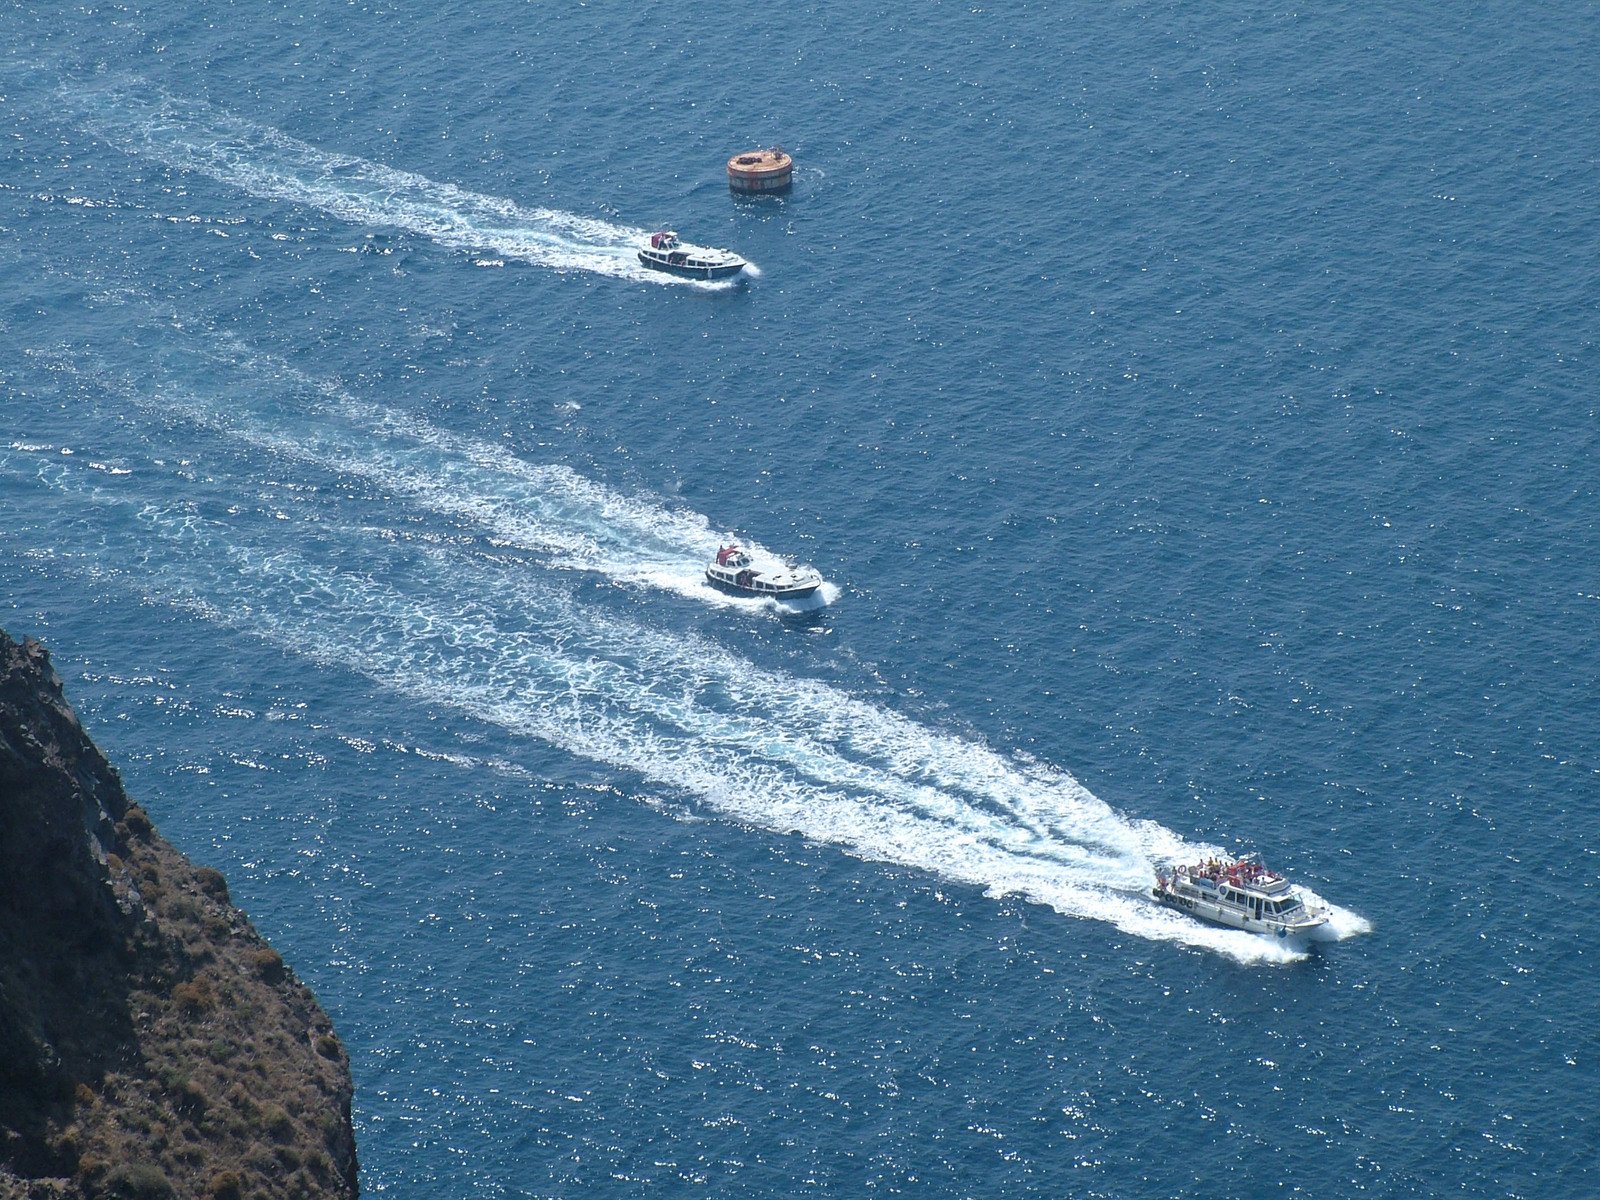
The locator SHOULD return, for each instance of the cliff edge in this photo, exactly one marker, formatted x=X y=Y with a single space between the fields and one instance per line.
x=151 y=1043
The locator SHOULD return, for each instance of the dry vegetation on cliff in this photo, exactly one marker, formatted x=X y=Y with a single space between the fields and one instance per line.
x=151 y=1043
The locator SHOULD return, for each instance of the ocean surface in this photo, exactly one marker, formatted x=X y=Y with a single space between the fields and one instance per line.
x=1192 y=408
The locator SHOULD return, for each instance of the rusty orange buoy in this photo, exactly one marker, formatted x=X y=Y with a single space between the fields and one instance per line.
x=760 y=170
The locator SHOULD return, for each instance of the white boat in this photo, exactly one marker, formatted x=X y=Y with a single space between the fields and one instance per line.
x=734 y=573
x=666 y=253
x=1242 y=894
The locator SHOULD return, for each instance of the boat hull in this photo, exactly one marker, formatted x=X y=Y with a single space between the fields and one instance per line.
x=1232 y=918
x=732 y=588
x=689 y=267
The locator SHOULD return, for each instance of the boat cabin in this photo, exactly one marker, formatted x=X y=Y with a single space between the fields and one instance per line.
x=1259 y=901
x=1241 y=893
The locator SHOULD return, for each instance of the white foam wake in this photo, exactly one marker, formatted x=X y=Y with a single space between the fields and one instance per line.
x=190 y=135
x=548 y=509
x=771 y=750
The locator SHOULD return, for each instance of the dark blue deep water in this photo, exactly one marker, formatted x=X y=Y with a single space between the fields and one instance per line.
x=1191 y=406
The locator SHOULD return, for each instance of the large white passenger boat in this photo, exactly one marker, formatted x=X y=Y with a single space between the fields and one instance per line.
x=1242 y=894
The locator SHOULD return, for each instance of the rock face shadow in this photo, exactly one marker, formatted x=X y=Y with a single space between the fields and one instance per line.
x=151 y=1042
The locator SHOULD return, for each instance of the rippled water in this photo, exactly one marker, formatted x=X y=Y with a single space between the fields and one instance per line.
x=1189 y=410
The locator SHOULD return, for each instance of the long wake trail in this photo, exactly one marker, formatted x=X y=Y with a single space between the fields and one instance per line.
x=263 y=162
x=547 y=509
x=506 y=646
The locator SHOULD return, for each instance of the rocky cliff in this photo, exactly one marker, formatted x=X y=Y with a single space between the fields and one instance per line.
x=151 y=1043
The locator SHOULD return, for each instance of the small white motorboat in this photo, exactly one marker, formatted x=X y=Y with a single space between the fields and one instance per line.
x=666 y=253
x=734 y=573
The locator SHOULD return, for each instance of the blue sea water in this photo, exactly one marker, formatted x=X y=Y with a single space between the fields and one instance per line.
x=1192 y=408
